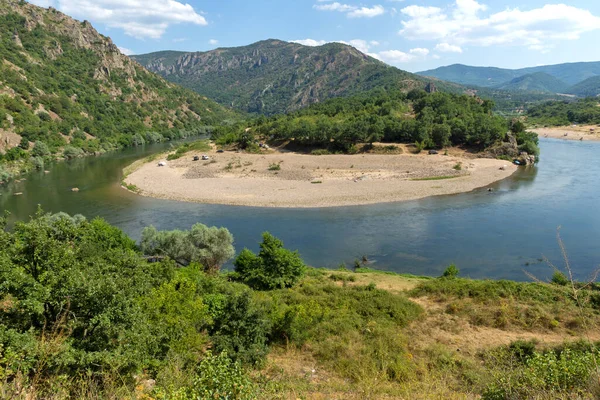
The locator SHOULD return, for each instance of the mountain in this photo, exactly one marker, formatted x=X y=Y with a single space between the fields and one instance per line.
x=62 y=82
x=569 y=73
x=588 y=88
x=274 y=76
x=535 y=82
x=472 y=76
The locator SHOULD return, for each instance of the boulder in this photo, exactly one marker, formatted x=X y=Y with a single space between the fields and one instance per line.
x=75 y=189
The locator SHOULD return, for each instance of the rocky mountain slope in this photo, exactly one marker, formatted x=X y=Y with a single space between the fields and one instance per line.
x=274 y=76
x=62 y=82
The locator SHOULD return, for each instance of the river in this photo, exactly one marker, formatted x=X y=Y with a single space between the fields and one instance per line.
x=499 y=234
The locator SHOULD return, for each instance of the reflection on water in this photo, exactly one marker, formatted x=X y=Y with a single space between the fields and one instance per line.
x=498 y=234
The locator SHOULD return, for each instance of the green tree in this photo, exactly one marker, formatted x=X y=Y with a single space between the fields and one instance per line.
x=210 y=247
x=273 y=268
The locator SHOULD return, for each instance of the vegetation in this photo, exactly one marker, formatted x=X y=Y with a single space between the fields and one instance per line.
x=83 y=314
x=210 y=247
x=436 y=120
x=274 y=77
x=62 y=91
x=584 y=111
x=273 y=268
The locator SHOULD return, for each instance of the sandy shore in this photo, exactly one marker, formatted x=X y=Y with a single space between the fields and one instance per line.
x=582 y=132
x=313 y=181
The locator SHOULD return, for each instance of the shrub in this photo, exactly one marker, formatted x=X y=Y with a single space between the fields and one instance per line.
x=451 y=272
x=210 y=247
x=71 y=152
x=273 y=268
x=217 y=377
x=274 y=167
x=40 y=149
x=558 y=278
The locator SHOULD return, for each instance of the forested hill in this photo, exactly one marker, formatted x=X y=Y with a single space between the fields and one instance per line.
x=273 y=76
x=62 y=82
x=429 y=120
x=580 y=79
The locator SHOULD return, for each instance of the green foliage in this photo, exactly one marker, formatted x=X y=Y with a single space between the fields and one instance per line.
x=210 y=247
x=558 y=278
x=40 y=149
x=217 y=378
x=71 y=152
x=74 y=284
x=451 y=272
x=274 y=167
x=582 y=111
x=355 y=330
x=338 y=125
x=273 y=268
x=526 y=373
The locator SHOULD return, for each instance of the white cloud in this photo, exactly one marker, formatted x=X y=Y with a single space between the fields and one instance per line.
x=448 y=48
x=388 y=56
x=125 y=51
x=214 y=42
x=366 y=12
x=42 y=3
x=419 y=52
x=137 y=18
x=463 y=24
x=310 y=42
x=395 y=56
x=350 y=10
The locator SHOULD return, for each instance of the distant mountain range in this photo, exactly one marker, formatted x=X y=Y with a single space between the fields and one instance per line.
x=274 y=76
x=580 y=79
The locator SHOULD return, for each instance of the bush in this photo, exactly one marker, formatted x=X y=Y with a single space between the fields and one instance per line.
x=71 y=152
x=273 y=268
x=217 y=377
x=451 y=272
x=40 y=149
x=210 y=247
x=558 y=278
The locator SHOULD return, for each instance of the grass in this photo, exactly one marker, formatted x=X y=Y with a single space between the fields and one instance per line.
x=131 y=187
x=436 y=178
x=274 y=167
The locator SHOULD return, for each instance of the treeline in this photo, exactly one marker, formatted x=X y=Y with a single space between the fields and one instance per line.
x=583 y=111
x=431 y=120
x=52 y=91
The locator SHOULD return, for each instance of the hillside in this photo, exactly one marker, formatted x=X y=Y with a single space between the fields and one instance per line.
x=588 y=88
x=569 y=73
x=535 y=82
x=473 y=76
x=61 y=83
x=273 y=76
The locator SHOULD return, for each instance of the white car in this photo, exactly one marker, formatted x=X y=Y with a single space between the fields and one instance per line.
x=205 y=157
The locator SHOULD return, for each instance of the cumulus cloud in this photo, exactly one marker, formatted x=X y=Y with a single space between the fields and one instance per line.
x=125 y=51
x=214 y=42
x=448 y=48
x=350 y=10
x=388 y=56
x=464 y=24
x=137 y=18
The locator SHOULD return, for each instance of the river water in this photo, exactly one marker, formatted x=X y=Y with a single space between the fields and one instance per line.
x=499 y=234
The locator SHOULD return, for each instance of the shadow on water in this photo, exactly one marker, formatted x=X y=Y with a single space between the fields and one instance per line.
x=495 y=234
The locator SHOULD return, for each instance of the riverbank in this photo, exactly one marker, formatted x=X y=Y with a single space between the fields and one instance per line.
x=285 y=179
x=583 y=132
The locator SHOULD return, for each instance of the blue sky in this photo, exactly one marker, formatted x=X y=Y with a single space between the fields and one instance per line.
x=411 y=34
